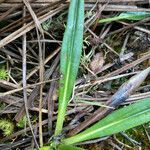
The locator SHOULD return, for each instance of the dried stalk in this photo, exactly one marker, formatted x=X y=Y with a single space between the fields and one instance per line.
x=24 y=67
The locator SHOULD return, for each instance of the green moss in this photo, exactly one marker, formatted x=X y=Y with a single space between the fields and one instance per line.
x=6 y=126
x=22 y=122
x=138 y=134
x=3 y=74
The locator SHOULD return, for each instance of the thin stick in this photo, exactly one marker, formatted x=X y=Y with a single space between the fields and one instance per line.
x=50 y=101
x=38 y=28
x=41 y=90
x=24 y=67
x=28 y=86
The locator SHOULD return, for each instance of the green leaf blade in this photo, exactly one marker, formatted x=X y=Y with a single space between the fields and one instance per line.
x=70 y=57
x=120 y=120
x=68 y=147
x=127 y=15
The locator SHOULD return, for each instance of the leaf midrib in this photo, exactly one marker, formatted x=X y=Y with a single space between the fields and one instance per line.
x=111 y=124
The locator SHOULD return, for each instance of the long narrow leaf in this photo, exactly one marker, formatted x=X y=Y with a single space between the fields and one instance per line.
x=70 y=57
x=93 y=103
x=120 y=120
x=128 y=16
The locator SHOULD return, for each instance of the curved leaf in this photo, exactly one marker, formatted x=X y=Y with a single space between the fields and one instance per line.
x=120 y=120
x=128 y=16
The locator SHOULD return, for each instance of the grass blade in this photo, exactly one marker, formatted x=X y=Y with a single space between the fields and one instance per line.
x=94 y=103
x=128 y=16
x=68 y=147
x=70 y=57
x=120 y=120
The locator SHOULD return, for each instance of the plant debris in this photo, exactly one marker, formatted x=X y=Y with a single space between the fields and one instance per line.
x=115 y=52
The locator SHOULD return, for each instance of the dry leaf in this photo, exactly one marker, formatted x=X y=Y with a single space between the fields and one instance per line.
x=97 y=62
